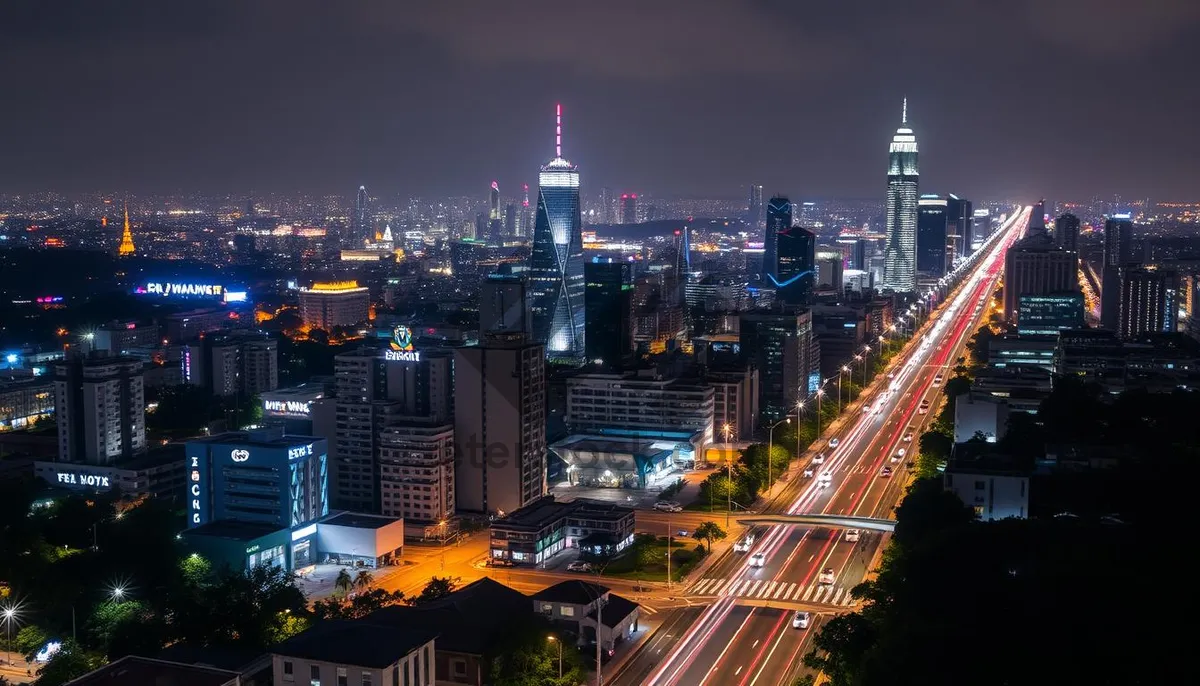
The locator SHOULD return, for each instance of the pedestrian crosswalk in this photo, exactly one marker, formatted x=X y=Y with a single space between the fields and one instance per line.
x=763 y=589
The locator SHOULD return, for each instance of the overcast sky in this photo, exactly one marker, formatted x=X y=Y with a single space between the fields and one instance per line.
x=1062 y=98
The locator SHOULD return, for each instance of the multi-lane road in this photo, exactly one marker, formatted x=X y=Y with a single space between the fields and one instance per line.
x=744 y=636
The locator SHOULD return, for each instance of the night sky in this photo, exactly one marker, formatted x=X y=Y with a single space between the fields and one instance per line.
x=1062 y=98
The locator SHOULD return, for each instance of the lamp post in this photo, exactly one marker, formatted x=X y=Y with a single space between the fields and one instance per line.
x=771 y=446
x=442 y=526
x=820 y=394
x=857 y=359
x=10 y=615
x=866 y=359
x=668 y=553
x=843 y=370
x=554 y=639
x=729 y=488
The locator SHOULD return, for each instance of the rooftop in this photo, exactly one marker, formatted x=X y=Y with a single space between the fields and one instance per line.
x=237 y=531
x=471 y=620
x=359 y=643
x=265 y=438
x=615 y=610
x=358 y=520
x=144 y=671
x=546 y=510
x=575 y=592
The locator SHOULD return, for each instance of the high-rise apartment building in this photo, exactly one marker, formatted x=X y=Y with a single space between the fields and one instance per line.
x=1149 y=302
x=1037 y=219
x=1036 y=266
x=779 y=218
x=416 y=470
x=639 y=401
x=796 y=264
x=900 y=255
x=504 y=304
x=755 y=216
x=510 y=220
x=780 y=345
x=608 y=311
x=932 y=235
x=499 y=424
x=556 y=262
x=629 y=209
x=100 y=405
x=981 y=227
x=1118 y=253
x=342 y=303
x=1066 y=232
x=231 y=364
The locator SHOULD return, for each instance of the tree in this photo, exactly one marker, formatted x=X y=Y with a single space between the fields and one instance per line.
x=529 y=658
x=934 y=447
x=30 y=639
x=840 y=647
x=438 y=587
x=70 y=662
x=928 y=509
x=361 y=605
x=363 y=580
x=709 y=531
x=343 y=583
x=251 y=608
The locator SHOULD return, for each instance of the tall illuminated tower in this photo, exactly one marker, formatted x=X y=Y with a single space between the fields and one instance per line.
x=556 y=262
x=900 y=256
x=361 y=229
x=126 y=248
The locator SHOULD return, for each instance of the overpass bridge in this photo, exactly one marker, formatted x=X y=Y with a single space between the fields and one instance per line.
x=822 y=521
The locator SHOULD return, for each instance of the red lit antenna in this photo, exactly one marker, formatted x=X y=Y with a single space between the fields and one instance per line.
x=558 y=130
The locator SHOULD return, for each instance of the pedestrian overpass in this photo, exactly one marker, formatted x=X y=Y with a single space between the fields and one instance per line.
x=822 y=521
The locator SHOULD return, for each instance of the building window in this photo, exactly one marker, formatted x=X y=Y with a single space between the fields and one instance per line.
x=366 y=679
x=979 y=510
x=288 y=675
x=314 y=675
x=342 y=680
x=566 y=611
x=460 y=668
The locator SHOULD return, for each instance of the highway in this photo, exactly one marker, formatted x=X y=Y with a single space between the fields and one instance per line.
x=745 y=636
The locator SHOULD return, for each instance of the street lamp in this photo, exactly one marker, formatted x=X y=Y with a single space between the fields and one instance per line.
x=866 y=359
x=843 y=370
x=554 y=639
x=117 y=593
x=771 y=445
x=820 y=394
x=10 y=617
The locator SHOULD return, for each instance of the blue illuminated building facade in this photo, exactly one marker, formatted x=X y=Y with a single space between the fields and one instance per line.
x=795 y=274
x=556 y=277
x=779 y=218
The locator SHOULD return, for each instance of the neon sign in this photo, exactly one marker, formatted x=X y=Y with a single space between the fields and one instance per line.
x=83 y=479
x=300 y=452
x=239 y=455
x=401 y=346
x=287 y=407
x=194 y=489
x=170 y=289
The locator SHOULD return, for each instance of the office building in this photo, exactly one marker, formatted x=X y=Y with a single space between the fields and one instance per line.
x=100 y=405
x=556 y=262
x=608 y=311
x=1036 y=266
x=1037 y=219
x=1046 y=315
x=499 y=424
x=981 y=227
x=781 y=346
x=504 y=304
x=545 y=527
x=231 y=364
x=608 y=206
x=328 y=305
x=1156 y=362
x=900 y=255
x=416 y=470
x=464 y=259
x=122 y=338
x=24 y=401
x=1066 y=232
x=640 y=401
x=629 y=209
x=959 y=223
x=755 y=210
x=991 y=487
x=1118 y=253
x=932 y=236
x=779 y=219
x=830 y=271
x=292 y=408
x=362 y=224
x=1149 y=302
x=794 y=277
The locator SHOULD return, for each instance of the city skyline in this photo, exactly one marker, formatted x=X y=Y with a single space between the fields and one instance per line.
x=140 y=127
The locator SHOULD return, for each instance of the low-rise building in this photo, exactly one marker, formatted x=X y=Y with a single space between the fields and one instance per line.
x=143 y=670
x=590 y=612
x=24 y=401
x=1159 y=363
x=357 y=652
x=416 y=470
x=992 y=486
x=542 y=529
x=638 y=400
x=980 y=414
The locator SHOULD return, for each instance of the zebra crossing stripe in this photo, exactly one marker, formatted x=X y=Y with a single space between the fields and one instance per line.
x=698 y=589
x=838 y=596
x=754 y=587
x=791 y=587
x=808 y=593
x=779 y=591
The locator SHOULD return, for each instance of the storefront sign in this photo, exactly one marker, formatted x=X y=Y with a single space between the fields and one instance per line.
x=194 y=489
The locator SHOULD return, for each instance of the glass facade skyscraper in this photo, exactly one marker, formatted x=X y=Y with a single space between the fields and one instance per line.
x=797 y=263
x=932 y=235
x=900 y=255
x=608 y=309
x=556 y=262
x=779 y=218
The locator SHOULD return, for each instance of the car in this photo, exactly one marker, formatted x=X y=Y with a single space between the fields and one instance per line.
x=937 y=380
x=744 y=544
x=579 y=566
x=826 y=576
x=808 y=473
x=833 y=442
x=852 y=535
x=667 y=506
x=908 y=436
x=801 y=619
x=885 y=472
x=924 y=407
x=502 y=562
x=758 y=559
x=819 y=459
x=825 y=479
x=683 y=533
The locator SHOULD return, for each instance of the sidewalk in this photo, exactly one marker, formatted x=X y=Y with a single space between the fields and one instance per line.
x=13 y=667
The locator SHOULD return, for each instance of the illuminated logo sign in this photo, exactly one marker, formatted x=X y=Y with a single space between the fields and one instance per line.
x=287 y=407
x=194 y=489
x=402 y=346
x=178 y=289
x=239 y=455
x=300 y=451
x=83 y=479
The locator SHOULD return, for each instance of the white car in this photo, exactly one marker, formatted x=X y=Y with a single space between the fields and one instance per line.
x=825 y=479
x=852 y=535
x=808 y=473
x=908 y=435
x=758 y=559
x=826 y=576
x=579 y=566
x=801 y=619
x=833 y=442
x=664 y=506
x=924 y=407
x=744 y=544
x=937 y=380
x=819 y=459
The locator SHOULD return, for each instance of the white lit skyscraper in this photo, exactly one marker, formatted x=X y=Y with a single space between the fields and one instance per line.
x=900 y=256
x=556 y=263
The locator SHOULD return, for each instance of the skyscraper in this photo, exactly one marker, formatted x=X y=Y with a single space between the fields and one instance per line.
x=629 y=208
x=1037 y=218
x=1149 y=302
x=779 y=219
x=556 y=262
x=608 y=209
x=1118 y=249
x=608 y=306
x=1036 y=266
x=781 y=347
x=361 y=223
x=1066 y=232
x=510 y=220
x=495 y=222
x=754 y=211
x=503 y=304
x=900 y=255
x=526 y=215
x=932 y=235
x=959 y=225
x=795 y=276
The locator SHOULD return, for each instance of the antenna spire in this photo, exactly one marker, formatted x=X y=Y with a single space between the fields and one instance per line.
x=558 y=130
x=904 y=112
